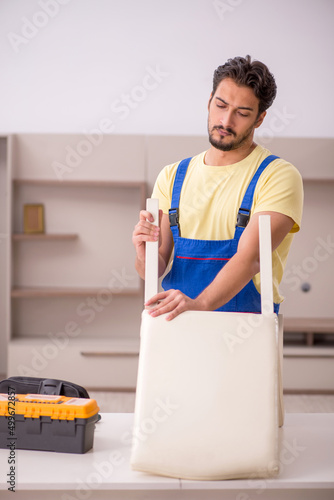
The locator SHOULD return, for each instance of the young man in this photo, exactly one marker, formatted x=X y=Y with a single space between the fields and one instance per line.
x=213 y=222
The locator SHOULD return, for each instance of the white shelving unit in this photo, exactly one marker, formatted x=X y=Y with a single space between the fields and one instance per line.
x=73 y=293
x=70 y=299
x=4 y=249
x=308 y=308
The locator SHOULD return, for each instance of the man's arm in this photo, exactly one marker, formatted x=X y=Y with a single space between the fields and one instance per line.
x=146 y=231
x=234 y=275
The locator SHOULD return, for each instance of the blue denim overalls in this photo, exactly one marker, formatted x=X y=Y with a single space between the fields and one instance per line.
x=197 y=262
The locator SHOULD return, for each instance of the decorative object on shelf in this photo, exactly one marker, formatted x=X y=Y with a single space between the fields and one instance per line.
x=33 y=218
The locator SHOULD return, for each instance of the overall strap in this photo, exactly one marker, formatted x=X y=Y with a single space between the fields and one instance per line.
x=246 y=204
x=174 y=210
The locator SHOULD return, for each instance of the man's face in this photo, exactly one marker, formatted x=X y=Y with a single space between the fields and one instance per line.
x=233 y=116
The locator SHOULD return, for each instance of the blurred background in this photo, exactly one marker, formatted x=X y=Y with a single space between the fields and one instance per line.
x=96 y=96
x=66 y=64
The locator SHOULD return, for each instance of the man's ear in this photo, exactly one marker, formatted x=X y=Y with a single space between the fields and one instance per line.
x=260 y=119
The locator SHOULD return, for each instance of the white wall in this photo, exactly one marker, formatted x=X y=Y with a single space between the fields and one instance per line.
x=71 y=72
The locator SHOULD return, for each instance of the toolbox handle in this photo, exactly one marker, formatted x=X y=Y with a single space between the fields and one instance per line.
x=50 y=387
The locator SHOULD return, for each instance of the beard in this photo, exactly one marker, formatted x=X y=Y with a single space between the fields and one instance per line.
x=227 y=143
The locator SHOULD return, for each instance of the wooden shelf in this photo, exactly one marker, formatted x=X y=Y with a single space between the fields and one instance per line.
x=318 y=179
x=44 y=236
x=33 y=292
x=309 y=325
x=80 y=183
x=308 y=332
x=89 y=347
x=308 y=352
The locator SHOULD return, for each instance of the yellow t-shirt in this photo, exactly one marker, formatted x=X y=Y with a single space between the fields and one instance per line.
x=211 y=197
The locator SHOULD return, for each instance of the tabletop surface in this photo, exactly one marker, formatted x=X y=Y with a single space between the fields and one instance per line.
x=306 y=461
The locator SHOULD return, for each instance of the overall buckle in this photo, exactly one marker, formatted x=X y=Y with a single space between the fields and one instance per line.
x=242 y=218
x=173 y=214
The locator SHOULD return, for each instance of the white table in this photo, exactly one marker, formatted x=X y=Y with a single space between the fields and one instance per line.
x=306 y=457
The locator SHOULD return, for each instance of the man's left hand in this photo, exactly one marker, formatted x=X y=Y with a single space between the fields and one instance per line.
x=173 y=302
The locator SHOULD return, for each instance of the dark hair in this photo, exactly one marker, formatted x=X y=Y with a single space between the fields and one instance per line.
x=249 y=73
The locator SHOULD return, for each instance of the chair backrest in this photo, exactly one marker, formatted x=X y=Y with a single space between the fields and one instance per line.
x=206 y=401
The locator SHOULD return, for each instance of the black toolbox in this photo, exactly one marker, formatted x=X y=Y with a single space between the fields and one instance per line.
x=47 y=422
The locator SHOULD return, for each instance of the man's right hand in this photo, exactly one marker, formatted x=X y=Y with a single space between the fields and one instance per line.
x=145 y=231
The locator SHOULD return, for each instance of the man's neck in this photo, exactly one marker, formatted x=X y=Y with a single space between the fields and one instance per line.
x=218 y=158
